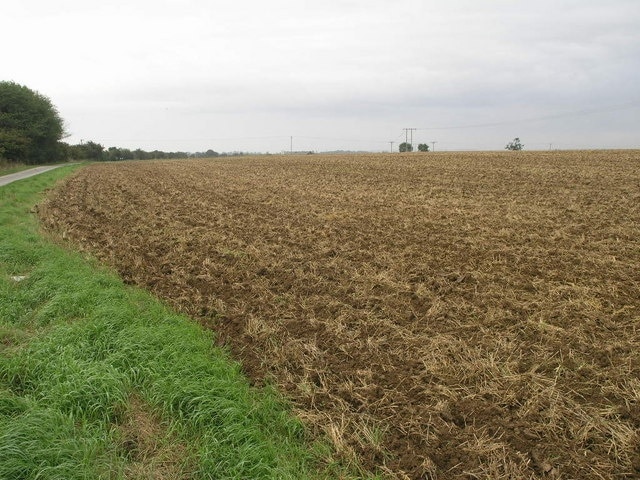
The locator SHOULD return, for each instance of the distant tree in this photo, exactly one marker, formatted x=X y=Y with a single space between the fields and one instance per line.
x=211 y=154
x=30 y=126
x=514 y=145
x=64 y=150
x=423 y=147
x=93 y=151
x=406 y=147
x=139 y=154
x=126 y=154
x=113 y=154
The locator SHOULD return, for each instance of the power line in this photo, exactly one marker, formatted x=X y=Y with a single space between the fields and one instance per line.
x=406 y=130
x=577 y=113
x=355 y=140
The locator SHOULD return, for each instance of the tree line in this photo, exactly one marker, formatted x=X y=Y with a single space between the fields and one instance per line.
x=31 y=132
x=94 y=151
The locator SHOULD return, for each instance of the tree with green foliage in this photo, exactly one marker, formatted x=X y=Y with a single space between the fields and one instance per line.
x=406 y=147
x=423 y=147
x=30 y=126
x=86 y=151
x=115 y=153
x=139 y=154
x=93 y=151
x=514 y=145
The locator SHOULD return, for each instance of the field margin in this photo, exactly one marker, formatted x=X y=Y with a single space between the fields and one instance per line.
x=101 y=380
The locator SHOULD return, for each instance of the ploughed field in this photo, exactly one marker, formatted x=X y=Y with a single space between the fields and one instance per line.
x=441 y=315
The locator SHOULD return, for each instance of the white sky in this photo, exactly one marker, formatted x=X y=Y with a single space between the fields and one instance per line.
x=334 y=74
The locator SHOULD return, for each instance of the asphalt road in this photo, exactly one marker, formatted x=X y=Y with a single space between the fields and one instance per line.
x=26 y=174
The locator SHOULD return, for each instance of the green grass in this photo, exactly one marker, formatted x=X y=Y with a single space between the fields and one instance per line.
x=77 y=345
x=7 y=168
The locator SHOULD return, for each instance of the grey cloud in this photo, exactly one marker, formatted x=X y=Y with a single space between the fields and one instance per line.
x=192 y=69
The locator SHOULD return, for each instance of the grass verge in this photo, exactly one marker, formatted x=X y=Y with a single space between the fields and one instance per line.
x=7 y=168
x=100 y=380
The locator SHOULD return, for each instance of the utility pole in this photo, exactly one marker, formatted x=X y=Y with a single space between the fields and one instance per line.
x=291 y=144
x=433 y=146
x=392 y=146
x=406 y=131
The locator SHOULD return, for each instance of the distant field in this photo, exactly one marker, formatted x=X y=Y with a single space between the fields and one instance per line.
x=439 y=315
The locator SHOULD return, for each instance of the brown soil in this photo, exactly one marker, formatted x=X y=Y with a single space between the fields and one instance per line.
x=436 y=315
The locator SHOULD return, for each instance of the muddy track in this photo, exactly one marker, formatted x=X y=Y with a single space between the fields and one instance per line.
x=439 y=316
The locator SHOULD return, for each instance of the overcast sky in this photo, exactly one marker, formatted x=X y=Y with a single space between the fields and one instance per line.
x=334 y=74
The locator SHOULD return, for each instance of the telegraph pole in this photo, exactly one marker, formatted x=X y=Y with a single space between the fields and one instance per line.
x=433 y=146
x=392 y=146
x=291 y=148
x=406 y=131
